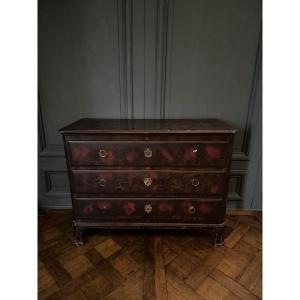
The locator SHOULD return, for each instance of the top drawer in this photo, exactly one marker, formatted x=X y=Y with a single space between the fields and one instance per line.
x=121 y=153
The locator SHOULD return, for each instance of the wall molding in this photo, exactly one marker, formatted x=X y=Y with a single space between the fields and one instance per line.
x=45 y=149
x=160 y=7
x=153 y=47
x=239 y=156
x=237 y=195
x=252 y=98
x=168 y=35
x=253 y=191
x=41 y=130
x=49 y=185
x=124 y=16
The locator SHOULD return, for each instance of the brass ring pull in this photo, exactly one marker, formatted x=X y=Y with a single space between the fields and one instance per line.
x=148 y=153
x=103 y=153
x=102 y=182
x=104 y=208
x=147 y=181
x=148 y=208
x=192 y=209
x=195 y=182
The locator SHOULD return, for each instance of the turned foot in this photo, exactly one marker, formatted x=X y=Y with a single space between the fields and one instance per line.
x=219 y=238
x=78 y=236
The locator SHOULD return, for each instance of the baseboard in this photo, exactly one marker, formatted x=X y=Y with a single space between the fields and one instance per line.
x=245 y=212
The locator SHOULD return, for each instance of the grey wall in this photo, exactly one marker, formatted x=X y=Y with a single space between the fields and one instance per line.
x=150 y=59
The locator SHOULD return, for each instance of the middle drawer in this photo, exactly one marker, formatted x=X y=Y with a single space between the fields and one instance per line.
x=147 y=182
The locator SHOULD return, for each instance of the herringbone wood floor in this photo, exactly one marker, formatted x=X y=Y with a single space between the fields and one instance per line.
x=138 y=265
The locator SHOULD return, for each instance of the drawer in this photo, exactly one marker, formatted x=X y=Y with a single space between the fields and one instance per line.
x=147 y=182
x=166 y=210
x=204 y=154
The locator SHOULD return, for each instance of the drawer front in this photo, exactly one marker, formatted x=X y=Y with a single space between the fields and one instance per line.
x=147 y=182
x=187 y=210
x=204 y=154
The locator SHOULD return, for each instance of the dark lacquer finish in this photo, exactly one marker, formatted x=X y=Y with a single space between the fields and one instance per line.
x=153 y=182
x=186 y=210
x=204 y=154
x=147 y=126
x=148 y=173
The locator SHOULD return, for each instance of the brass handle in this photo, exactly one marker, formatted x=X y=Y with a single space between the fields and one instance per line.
x=192 y=209
x=195 y=182
x=148 y=208
x=147 y=181
x=103 y=153
x=102 y=182
x=104 y=208
x=148 y=153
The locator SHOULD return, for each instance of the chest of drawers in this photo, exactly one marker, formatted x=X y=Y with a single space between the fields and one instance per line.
x=148 y=173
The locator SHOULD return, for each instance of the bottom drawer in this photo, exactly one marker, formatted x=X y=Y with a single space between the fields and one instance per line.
x=169 y=210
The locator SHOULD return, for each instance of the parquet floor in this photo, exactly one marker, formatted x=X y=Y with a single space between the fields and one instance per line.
x=138 y=265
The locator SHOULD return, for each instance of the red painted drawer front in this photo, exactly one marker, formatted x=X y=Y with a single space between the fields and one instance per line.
x=147 y=182
x=154 y=210
x=149 y=154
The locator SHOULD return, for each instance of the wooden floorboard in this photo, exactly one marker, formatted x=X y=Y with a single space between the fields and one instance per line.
x=149 y=290
x=165 y=265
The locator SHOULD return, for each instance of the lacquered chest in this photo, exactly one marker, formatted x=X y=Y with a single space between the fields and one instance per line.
x=148 y=173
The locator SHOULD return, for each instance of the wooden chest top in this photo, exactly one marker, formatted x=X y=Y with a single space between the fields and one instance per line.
x=90 y=125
